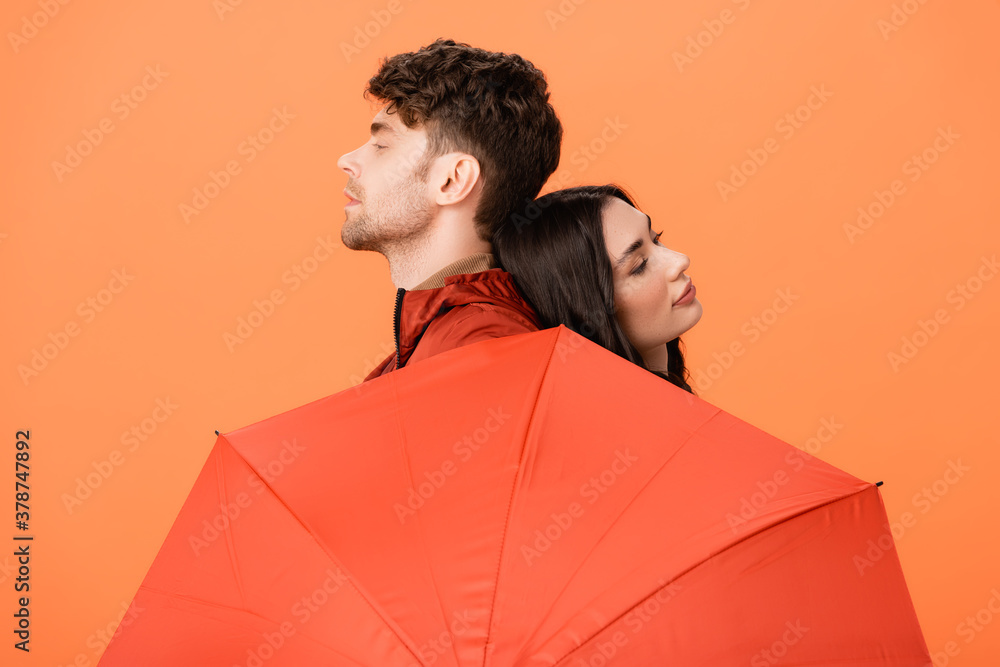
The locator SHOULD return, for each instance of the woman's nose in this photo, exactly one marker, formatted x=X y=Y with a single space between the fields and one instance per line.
x=677 y=264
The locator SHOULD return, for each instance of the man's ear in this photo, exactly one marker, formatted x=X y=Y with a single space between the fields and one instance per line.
x=454 y=178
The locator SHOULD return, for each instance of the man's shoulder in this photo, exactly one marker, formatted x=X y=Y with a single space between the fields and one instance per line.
x=485 y=315
x=470 y=323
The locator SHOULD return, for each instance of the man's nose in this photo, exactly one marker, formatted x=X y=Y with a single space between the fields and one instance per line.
x=348 y=164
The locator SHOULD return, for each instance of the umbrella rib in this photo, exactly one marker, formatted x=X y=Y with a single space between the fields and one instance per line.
x=511 y=503
x=230 y=547
x=206 y=603
x=409 y=473
x=350 y=577
x=707 y=559
x=611 y=525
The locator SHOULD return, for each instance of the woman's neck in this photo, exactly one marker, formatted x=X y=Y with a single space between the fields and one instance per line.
x=656 y=359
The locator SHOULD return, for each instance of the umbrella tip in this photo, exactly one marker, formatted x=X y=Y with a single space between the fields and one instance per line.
x=876 y=483
x=217 y=433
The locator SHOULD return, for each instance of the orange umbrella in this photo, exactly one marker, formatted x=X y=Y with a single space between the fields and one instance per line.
x=528 y=500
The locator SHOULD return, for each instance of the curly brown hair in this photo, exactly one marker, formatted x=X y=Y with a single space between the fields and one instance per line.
x=494 y=106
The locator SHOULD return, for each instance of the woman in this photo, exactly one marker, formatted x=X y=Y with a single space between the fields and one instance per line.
x=589 y=260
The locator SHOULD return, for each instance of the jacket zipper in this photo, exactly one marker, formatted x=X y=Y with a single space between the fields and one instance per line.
x=395 y=320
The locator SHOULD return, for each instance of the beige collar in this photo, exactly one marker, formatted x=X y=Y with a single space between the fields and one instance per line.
x=480 y=261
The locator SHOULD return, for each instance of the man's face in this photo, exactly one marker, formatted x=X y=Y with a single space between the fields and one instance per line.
x=388 y=198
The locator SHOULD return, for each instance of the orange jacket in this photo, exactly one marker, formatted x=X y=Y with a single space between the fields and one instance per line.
x=470 y=307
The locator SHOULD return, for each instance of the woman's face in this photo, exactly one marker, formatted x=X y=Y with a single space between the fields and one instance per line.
x=648 y=281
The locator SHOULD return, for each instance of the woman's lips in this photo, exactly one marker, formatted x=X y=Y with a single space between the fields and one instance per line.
x=688 y=295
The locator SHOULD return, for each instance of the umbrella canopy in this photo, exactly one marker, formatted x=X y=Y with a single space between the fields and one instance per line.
x=527 y=500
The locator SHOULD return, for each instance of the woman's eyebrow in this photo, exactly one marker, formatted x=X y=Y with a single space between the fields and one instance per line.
x=635 y=245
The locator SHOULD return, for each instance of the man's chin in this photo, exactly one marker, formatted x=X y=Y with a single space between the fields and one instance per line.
x=353 y=241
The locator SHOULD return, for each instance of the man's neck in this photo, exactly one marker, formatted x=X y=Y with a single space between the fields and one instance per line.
x=419 y=259
x=474 y=263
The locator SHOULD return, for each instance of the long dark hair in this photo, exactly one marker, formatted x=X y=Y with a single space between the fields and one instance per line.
x=554 y=248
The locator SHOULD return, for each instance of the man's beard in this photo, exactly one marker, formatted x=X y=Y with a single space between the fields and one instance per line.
x=394 y=218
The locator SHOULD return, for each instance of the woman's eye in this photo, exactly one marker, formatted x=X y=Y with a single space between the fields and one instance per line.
x=642 y=267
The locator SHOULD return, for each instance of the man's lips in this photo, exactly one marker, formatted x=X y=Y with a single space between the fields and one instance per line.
x=351 y=200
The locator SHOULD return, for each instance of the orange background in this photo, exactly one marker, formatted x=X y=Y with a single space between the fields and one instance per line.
x=681 y=131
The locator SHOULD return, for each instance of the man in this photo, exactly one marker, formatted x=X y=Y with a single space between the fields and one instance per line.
x=463 y=138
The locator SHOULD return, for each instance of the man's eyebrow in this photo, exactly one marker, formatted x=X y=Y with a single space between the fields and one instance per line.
x=635 y=245
x=383 y=127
